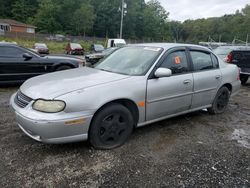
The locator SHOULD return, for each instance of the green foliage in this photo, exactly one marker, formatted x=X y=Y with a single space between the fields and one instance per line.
x=145 y=21
x=83 y=19
x=154 y=20
x=22 y=9
x=47 y=17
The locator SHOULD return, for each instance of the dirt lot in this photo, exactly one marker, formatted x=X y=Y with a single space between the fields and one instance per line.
x=195 y=150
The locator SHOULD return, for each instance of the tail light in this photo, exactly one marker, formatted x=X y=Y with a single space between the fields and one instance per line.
x=229 y=58
x=238 y=75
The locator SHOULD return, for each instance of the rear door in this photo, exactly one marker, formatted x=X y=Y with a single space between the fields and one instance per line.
x=207 y=77
x=170 y=95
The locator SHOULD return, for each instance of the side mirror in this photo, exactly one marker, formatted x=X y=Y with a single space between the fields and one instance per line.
x=163 y=72
x=27 y=56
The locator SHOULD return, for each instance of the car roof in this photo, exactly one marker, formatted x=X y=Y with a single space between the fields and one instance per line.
x=7 y=44
x=167 y=46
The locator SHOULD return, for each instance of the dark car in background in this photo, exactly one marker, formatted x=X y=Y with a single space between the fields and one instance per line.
x=41 y=48
x=238 y=55
x=97 y=48
x=74 y=49
x=95 y=57
x=17 y=63
x=241 y=58
x=224 y=51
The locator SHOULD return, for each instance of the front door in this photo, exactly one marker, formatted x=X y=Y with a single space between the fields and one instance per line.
x=14 y=67
x=170 y=95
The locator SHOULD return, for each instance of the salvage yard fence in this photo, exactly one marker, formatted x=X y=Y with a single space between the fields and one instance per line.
x=60 y=38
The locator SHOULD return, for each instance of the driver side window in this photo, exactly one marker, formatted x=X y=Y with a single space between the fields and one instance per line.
x=11 y=52
x=177 y=62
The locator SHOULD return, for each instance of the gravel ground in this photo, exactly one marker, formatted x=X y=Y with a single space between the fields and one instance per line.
x=194 y=150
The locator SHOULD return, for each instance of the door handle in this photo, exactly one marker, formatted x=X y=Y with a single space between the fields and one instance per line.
x=187 y=81
x=218 y=77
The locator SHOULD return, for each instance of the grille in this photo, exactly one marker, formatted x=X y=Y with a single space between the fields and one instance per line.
x=22 y=100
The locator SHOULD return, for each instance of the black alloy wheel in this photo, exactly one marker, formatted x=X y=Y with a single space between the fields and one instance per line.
x=111 y=127
x=220 y=102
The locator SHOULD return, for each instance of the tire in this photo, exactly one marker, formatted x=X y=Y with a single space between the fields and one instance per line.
x=63 y=67
x=111 y=127
x=220 y=101
x=243 y=79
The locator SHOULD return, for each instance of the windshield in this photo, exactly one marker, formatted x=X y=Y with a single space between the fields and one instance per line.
x=31 y=51
x=109 y=50
x=134 y=61
x=99 y=47
x=41 y=45
x=120 y=44
x=75 y=45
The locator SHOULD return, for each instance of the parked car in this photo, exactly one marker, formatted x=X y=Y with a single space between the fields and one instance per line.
x=97 y=48
x=74 y=49
x=134 y=86
x=241 y=58
x=41 y=48
x=116 y=43
x=17 y=63
x=58 y=38
x=224 y=51
x=238 y=55
x=95 y=57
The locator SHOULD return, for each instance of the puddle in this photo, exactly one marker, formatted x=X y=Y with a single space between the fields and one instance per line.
x=242 y=137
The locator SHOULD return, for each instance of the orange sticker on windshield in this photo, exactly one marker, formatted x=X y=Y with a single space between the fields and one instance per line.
x=177 y=60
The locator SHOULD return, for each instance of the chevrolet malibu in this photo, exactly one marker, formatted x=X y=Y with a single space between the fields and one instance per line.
x=134 y=86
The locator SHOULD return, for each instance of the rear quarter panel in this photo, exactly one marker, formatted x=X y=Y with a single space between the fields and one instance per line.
x=230 y=75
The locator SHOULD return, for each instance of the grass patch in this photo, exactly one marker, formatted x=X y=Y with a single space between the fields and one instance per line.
x=54 y=47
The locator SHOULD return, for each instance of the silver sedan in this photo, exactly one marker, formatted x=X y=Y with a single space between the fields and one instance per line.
x=134 y=86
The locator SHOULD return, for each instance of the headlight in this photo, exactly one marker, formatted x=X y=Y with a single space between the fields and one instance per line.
x=49 y=106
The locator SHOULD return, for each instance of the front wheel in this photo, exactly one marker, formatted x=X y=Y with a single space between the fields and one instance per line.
x=111 y=127
x=243 y=79
x=220 y=101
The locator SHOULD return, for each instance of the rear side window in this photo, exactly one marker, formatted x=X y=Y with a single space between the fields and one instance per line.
x=10 y=52
x=177 y=62
x=201 y=60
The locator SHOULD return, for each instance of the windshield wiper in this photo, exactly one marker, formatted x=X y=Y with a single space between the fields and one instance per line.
x=106 y=70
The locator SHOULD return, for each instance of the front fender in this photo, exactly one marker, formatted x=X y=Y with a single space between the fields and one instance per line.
x=93 y=98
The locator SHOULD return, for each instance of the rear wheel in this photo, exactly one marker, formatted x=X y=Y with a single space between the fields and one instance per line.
x=220 y=102
x=63 y=67
x=243 y=79
x=111 y=127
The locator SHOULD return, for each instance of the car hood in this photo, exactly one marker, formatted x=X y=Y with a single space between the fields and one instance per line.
x=53 y=85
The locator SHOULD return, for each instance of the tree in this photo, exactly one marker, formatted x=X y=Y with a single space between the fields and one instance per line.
x=23 y=9
x=107 y=22
x=83 y=19
x=155 y=18
x=47 y=17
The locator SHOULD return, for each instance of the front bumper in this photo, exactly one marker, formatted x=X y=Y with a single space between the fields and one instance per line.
x=245 y=71
x=52 y=128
